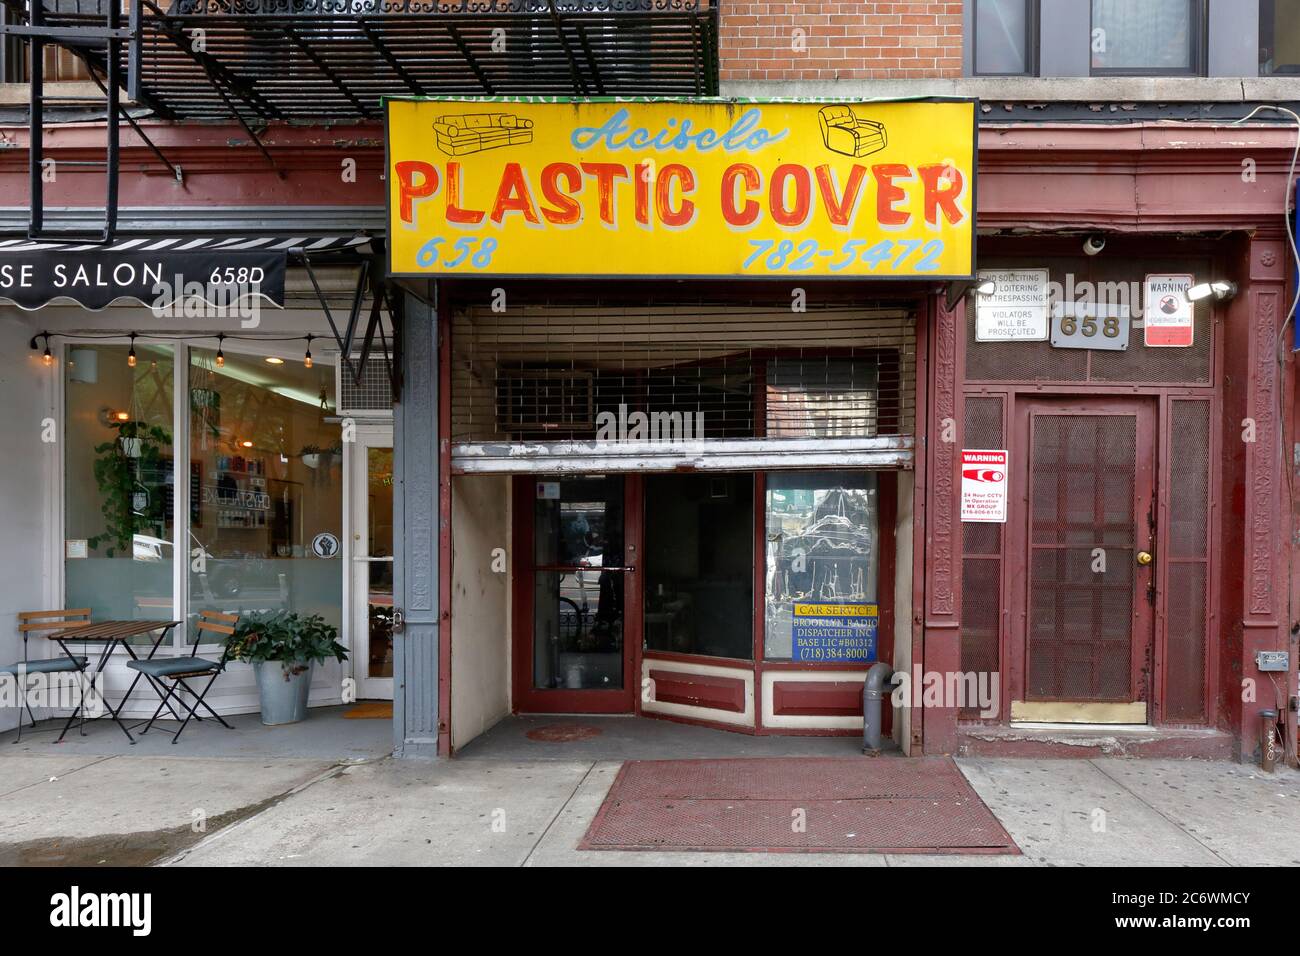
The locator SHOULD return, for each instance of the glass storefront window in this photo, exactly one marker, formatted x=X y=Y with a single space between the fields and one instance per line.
x=118 y=481
x=822 y=567
x=266 y=486
x=822 y=398
x=699 y=576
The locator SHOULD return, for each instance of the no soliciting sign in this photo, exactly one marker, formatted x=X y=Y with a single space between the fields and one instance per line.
x=984 y=485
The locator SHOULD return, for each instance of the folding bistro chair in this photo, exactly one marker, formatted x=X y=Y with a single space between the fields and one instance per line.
x=179 y=669
x=29 y=623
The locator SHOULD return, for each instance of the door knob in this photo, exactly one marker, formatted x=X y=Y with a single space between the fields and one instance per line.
x=1144 y=558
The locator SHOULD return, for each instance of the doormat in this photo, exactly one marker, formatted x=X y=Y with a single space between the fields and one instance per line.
x=371 y=710
x=797 y=804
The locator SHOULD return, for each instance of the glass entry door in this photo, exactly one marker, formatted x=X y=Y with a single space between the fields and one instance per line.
x=575 y=626
x=371 y=520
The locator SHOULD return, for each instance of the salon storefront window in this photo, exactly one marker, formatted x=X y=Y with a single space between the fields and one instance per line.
x=266 y=486
x=822 y=567
x=119 y=480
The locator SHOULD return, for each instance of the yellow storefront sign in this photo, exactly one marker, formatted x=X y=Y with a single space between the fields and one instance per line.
x=524 y=187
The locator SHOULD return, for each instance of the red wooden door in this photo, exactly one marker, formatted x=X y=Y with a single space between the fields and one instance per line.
x=577 y=595
x=1085 y=533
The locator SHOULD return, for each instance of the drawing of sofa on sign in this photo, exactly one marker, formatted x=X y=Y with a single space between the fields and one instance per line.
x=475 y=132
x=843 y=132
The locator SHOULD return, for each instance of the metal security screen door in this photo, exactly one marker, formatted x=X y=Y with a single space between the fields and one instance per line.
x=1089 y=549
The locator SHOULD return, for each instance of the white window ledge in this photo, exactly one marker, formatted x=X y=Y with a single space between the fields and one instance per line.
x=742 y=454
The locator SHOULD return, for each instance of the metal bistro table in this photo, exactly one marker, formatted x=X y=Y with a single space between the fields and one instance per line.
x=110 y=634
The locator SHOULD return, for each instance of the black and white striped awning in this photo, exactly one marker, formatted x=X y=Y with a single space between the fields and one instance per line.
x=309 y=244
x=157 y=270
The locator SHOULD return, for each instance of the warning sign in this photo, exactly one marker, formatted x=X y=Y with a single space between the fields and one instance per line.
x=984 y=485
x=1167 y=318
x=1016 y=309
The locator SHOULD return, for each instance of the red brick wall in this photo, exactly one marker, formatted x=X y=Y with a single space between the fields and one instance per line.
x=844 y=40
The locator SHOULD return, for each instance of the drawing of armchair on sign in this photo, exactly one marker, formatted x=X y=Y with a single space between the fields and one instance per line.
x=844 y=133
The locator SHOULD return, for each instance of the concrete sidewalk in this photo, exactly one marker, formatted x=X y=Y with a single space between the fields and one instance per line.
x=142 y=809
x=89 y=810
x=1063 y=812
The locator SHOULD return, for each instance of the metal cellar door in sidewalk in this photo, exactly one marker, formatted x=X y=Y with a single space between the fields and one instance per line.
x=1087 y=533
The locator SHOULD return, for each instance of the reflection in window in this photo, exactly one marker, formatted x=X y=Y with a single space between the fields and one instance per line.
x=822 y=398
x=1145 y=36
x=1279 y=36
x=699 y=548
x=1002 y=42
x=266 y=482
x=821 y=566
x=119 y=507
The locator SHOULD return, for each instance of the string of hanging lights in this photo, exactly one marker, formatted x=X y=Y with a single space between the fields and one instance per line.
x=41 y=340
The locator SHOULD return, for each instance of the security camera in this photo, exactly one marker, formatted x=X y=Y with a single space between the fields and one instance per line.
x=1094 y=244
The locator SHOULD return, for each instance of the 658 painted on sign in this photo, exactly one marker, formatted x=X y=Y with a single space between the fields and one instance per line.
x=474 y=250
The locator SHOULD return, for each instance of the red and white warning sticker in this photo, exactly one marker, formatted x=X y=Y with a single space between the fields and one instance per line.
x=984 y=485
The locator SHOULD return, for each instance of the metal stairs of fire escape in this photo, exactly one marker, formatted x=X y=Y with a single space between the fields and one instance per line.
x=100 y=46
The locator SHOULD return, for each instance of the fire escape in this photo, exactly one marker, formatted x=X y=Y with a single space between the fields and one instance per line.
x=259 y=63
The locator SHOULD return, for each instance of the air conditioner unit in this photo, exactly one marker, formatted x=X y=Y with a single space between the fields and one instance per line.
x=372 y=397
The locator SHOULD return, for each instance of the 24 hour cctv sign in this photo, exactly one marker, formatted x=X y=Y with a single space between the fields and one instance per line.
x=984 y=485
x=491 y=187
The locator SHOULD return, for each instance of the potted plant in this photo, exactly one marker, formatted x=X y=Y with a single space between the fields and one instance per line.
x=283 y=647
x=124 y=471
x=316 y=456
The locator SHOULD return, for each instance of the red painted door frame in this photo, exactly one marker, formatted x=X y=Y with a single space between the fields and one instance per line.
x=524 y=697
x=1144 y=410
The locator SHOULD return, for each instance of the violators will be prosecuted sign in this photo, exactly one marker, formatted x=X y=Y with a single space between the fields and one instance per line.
x=500 y=187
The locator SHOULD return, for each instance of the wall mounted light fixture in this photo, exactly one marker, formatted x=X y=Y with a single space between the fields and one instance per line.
x=1219 y=289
